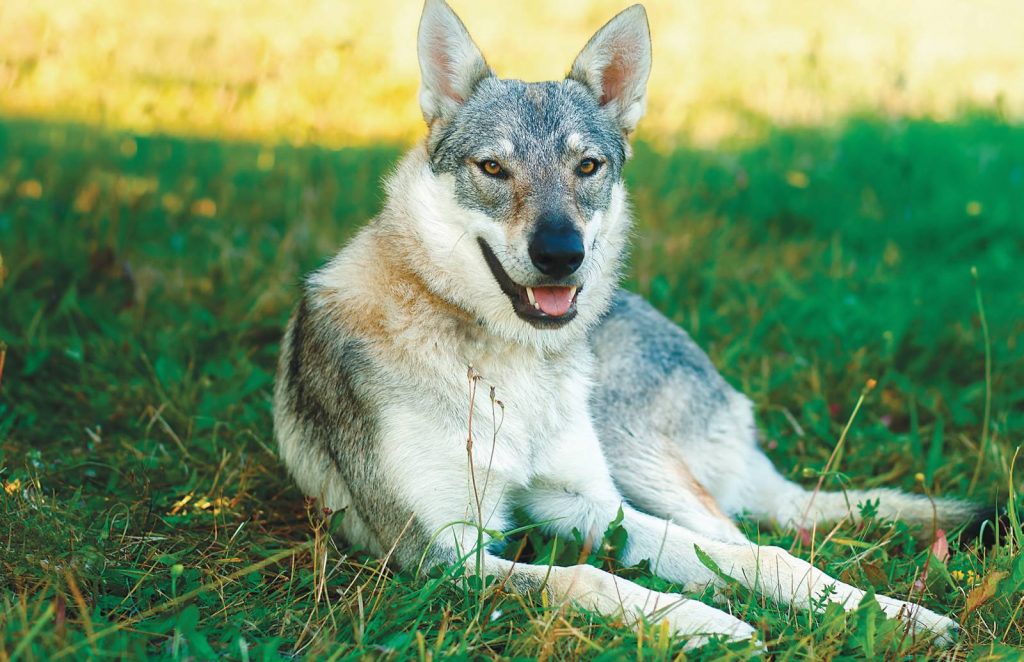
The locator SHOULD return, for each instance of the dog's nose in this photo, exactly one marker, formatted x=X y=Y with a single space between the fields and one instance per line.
x=556 y=249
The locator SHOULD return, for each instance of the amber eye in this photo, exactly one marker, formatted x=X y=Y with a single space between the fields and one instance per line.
x=493 y=169
x=588 y=167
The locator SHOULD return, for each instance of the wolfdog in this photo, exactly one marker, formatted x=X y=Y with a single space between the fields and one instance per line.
x=497 y=255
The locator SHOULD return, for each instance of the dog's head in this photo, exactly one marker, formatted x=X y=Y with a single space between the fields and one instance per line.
x=530 y=173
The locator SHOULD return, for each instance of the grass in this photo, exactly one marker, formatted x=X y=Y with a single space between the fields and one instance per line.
x=145 y=281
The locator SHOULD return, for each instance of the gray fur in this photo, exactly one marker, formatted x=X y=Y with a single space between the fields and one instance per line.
x=536 y=119
x=636 y=341
x=326 y=391
x=657 y=395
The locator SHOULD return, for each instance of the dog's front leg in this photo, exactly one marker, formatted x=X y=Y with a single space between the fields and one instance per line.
x=574 y=490
x=604 y=593
x=770 y=570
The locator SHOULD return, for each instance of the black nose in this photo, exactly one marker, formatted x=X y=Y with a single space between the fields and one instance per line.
x=556 y=249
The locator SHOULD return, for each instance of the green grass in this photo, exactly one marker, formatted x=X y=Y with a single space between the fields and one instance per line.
x=145 y=282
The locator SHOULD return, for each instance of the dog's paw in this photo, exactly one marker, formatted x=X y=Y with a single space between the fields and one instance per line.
x=925 y=620
x=922 y=621
x=699 y=624
x=731 y=635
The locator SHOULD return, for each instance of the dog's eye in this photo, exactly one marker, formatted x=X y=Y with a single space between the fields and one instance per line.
x=493 y=169
x=588 y=167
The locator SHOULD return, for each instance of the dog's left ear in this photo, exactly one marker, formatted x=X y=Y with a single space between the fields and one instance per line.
x=451 y=65
x=615 y=65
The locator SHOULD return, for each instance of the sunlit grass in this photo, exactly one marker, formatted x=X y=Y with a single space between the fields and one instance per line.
x=344 y=72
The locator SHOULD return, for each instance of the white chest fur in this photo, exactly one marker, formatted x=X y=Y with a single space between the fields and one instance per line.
x=480 y=462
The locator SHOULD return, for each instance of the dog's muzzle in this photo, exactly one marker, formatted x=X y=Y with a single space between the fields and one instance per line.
x=543 y=306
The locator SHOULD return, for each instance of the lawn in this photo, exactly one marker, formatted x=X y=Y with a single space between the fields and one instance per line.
x=145 y=281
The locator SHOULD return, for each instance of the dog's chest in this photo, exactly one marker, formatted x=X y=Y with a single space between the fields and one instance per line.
x=521 y=403
x=534 y=400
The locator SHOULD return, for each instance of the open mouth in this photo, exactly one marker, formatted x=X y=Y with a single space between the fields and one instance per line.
x=543 y=306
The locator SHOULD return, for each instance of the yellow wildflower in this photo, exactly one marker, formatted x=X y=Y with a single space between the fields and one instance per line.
x=797 y=179
x=30 y=188
x=204 y=207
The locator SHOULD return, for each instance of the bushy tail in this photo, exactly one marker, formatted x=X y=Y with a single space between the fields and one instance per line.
x=791 y=504
x=926 y=515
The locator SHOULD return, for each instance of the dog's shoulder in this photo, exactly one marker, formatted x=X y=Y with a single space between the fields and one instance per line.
x=643 y=357
x=322 y=365
x=634 y=329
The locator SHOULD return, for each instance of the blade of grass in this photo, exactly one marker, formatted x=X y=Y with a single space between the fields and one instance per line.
x=834 y=458
x=32 y=632
x=988 y=383
x=185 y=597
x=935 y=451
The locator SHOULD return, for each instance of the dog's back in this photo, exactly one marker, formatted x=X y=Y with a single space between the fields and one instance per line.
x=682 y=443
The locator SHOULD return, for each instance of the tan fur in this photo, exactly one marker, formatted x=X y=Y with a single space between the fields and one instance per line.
x=687 y=478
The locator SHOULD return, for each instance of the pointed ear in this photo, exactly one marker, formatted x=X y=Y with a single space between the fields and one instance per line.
x=615 y=65
x=450 y=63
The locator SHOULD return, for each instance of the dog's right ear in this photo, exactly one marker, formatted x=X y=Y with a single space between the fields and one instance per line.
x=451 y=65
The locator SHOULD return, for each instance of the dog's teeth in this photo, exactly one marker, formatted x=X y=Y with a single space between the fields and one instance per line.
x=572 y=292
x=533 y=299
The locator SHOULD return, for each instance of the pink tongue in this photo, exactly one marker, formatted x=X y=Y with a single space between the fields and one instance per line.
x=554 y=301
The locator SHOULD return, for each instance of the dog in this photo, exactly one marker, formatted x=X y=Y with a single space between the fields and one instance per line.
x=469 y=352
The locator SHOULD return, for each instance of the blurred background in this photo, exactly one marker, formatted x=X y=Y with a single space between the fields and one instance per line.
x=825 y=193
x=338 y=73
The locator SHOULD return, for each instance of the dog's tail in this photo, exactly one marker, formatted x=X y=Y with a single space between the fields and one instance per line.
x=792 y=504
